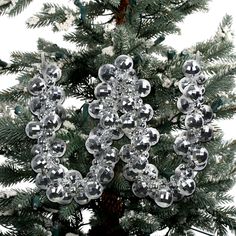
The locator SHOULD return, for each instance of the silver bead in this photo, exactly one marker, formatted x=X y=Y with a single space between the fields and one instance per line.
x=194 y=120
x=56 y=94
x=164 y=197
x=93 y=189
x=36 y=86
x=124 y=62
x=55 y=192
x=39 y=163
x=102 y=90
x=107 y=73
x=185 y=104
x=140 y=188
x=143 y=87
x=52 y=74
x=191 y=69
x=57 y=148
x=186 y=186
x=33 y=129
x=52 y=122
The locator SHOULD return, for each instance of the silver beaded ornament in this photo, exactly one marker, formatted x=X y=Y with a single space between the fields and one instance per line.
x=120 y=110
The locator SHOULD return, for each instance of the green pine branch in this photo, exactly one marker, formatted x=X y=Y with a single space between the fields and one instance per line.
x=19 y=6
x=15 y=94
x=13 y=130
x=12 y=174
x=46 y=18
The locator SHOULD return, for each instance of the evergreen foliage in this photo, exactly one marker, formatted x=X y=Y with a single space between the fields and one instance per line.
x=137 y=28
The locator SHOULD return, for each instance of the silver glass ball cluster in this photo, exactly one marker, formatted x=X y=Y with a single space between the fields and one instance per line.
x=61 y=184
x=188 y=142
x=120 y=110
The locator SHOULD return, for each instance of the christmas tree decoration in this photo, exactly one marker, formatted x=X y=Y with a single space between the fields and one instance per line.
x=113 y=98
x=147 y=141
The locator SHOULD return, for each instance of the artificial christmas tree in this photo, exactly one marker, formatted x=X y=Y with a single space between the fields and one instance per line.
x=137 y=29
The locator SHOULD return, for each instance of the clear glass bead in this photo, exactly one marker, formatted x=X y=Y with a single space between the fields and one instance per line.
x=56 y=94
x=199 y=156
x=164 y=198
x=193 y=92
x=181 y=145
x=52 y=74
x=140 y=188
x=191 y=69
x=183 y=83
x=124 y=62
x=194 y=120
x=143 y=87
x=42 y=181
x=33 y=129
x=206 y=133
x=52 y=122
x=67 y=198
x=80 y=196
x=36 y=106
x=186 y=186
x=102 y=90
x=36 y=86
x=184 y=171
x=129 y=173
x=93 y=189
x=127 y=123
x=107 y=73
x=127 y=153
x=150 y=172
x=73 y=175
x=93 y=144
x=109 y=120
x=36 y=149
x=145 y=112
x=117 y=133
x=126 y=104
x=207 y=113
x=201 y=79
x=55 y=192
x=185 y=104
x=105 y=174
x=110 y=155
x=57 y=148
x=39 y=163
x=96 y=107
x=141 y=143
x=57 y=172
x=153 y=135
x=139 y=163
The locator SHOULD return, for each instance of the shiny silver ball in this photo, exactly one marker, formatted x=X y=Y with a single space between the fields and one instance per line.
x=182 y=145
x=107 y=73
x=186 y=186
x=143 y=87
x=185 y=104
x=191 y=69
x=102 y=90
x=164 y=197
x=33 y=129
x=124 y=62
x=207 y=113
x=194 y=120
x=52 y=74
x=36 y=86
x=57 y=148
